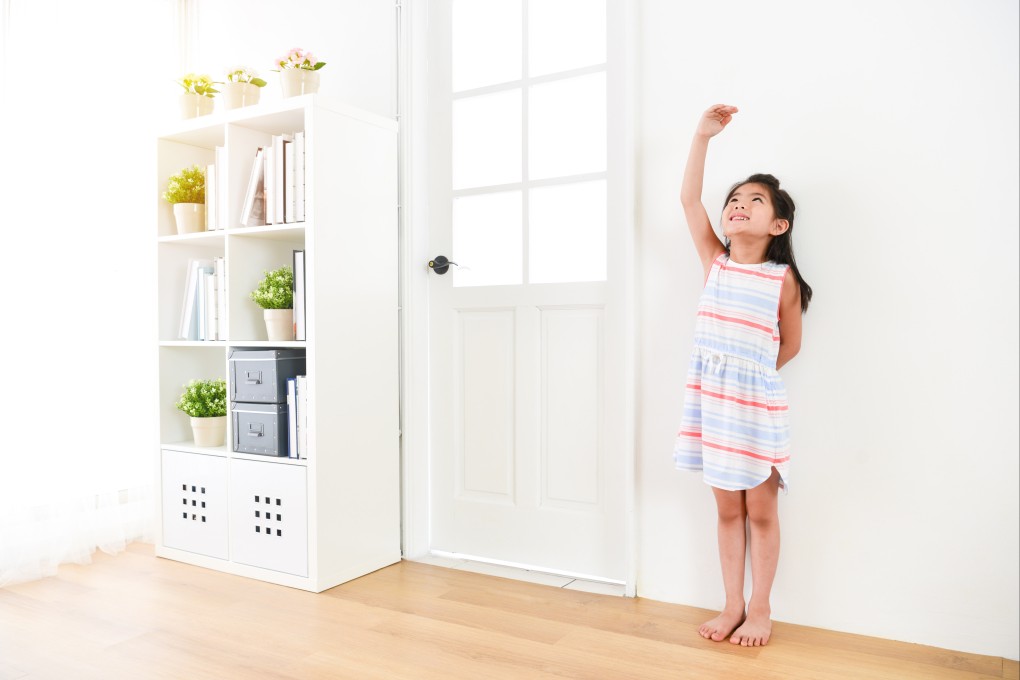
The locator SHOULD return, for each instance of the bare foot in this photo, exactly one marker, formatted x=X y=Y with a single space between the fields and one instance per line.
x=754 y=632
x=719 y=628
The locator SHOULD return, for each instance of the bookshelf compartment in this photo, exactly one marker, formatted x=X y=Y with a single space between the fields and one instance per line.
x=178 y=365
x=195 y=513
x=173 y=157
x=268 y=518
x=174 y=260
x=250 y=258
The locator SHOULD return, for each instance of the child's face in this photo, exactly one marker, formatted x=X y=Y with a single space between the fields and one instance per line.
x=750 y=213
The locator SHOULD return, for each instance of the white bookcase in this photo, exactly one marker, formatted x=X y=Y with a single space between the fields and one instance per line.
x=305 y=523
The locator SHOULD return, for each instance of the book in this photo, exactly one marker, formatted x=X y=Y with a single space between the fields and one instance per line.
x=298 y=267
x=301 y=395
x=222 y=195
x=185 y=322
x=253 y=210
x=288 y=181
x=210 y=197
x=202 y=304
x=299 y=176
x=270 y=187
x=189 y=329
x=220 y=266
x=212 y=308
x=292 y=426
x=279 y=182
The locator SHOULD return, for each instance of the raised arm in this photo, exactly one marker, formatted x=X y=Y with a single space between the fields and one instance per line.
x=707 y=243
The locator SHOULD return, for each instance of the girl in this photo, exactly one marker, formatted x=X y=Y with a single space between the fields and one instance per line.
x=735 y=423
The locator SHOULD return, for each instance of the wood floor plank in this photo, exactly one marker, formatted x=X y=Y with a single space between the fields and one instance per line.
x=137 y=616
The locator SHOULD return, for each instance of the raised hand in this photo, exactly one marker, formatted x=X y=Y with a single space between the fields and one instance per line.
x=715 y=119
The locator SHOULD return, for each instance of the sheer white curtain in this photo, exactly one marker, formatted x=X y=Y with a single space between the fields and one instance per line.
x=84 y=88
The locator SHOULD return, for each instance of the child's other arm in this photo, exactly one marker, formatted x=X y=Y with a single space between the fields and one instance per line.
x=707 y=243
x=790 y=318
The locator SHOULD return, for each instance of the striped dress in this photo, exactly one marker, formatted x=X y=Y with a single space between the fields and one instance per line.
x=735 y=424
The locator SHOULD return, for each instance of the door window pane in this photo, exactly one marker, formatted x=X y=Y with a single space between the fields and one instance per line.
x=487 y=140
x=567 y=233
x=487 y=237
x=567 y=127
x=565 y=34
x=487 y=42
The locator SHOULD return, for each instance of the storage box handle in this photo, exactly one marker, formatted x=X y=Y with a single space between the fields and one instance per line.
x=252 y=432
x=253 y=377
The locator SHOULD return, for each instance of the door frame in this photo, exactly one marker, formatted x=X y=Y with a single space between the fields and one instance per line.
x=412 y=98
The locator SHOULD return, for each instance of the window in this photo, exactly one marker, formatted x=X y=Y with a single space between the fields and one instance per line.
x=529 y=141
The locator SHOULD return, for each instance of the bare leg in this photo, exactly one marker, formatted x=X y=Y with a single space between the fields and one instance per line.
x=763 y=513
x=732 y=547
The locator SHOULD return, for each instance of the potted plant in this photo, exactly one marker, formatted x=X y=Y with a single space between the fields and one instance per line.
x=197 y=99
x=185 y=191
x=299 y=72
x=206 y=402
x=275 y=295
x=241 y=88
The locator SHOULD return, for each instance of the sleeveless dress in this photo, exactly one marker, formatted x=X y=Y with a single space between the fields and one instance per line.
x=735 y=423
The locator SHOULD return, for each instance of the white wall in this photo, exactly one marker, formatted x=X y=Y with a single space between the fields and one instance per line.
x=356 y=39
x=895 y=127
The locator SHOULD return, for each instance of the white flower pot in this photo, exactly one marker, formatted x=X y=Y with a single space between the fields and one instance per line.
x=190 y=217
x=279 y=323
x=238 y=95
x=193 y=105
x=298 y=81
x=209 y=431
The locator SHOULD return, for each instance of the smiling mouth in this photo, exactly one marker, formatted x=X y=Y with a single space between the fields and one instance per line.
x=739 y=218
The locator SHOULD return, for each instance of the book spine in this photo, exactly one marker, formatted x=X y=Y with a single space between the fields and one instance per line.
x=251 y=196
x=270 y=185
x=187 y=300
x=302 y=415
x=222 y=195
x=299 y=176
x=202 y=316
x=298 y=268
x=212 y=311
x=210 y=197
x=221 y=298
x=292 y=423
x=288 y=181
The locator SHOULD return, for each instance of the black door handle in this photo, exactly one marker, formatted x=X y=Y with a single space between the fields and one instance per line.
x=441 y=264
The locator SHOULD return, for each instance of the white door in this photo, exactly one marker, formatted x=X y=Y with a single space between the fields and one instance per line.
x=527 y=331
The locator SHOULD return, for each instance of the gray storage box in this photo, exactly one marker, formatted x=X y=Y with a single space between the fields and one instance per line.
x=260 y=375
x=260 y=428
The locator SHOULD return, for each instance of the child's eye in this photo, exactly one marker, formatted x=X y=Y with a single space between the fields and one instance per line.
x=758 y=199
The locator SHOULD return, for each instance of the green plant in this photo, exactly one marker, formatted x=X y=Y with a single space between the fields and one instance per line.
x=243 y=74
x=196 y=84
x=299 y=58
x=276 y=290
x=204 y=398
x=187 y=186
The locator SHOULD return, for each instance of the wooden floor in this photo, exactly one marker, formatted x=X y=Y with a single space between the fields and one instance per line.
x=136 y=616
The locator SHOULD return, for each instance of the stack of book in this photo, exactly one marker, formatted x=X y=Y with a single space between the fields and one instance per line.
x=297 y=416
x=276 y=186
x=204 y=298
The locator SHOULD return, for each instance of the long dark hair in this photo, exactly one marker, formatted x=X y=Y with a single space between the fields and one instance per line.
x=781 y=247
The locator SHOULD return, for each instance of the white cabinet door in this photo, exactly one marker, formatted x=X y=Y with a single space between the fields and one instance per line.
x=195 y=503
x=268 y=516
